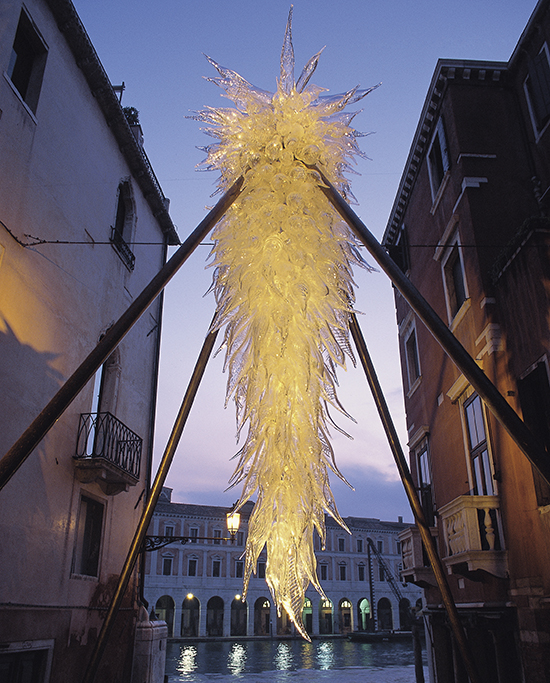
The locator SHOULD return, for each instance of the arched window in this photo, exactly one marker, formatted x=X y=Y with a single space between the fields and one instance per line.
x=190 y=611
x=123 y=229
x=345 y=616
x=164 y=609
x=385 y=617
x=262 y=617
x=307 y=615
x=214 y=617
x=239 y=613
x=325 y=617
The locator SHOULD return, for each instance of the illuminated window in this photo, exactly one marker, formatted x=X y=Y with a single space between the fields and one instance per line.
x=27 y=61
x=89 y=533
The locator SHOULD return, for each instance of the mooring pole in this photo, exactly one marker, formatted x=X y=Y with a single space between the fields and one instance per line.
x=32 y=436
x=147 y=514
x=494 y=400
x=416 y=507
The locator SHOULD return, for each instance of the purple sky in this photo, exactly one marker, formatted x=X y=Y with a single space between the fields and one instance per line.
x=157 y=49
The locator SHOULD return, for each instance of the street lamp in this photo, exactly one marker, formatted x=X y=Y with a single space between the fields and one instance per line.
x=233 y=521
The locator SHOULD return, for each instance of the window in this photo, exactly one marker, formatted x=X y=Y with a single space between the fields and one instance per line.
x=342 y=572
x=411 y=357
x=341 y=544
x=425 y=482
x=537 y=89
x=324 y=572
x=359 y=545
x=192 y=567
x=27 y=662
x=482 y=475
x=168 y=530
x=399 y=250
x=122 y=231
x=217 y=536
x=90 y=528
x=534 y=396
x=261 y=570
x=27 y=61
x=240 y=537
x=438 y=158
x=216 y=568
x=167 y=566
x=239 y=569
x=380 y=546
x=454 y=280
x=381 y=573
x=398 y=547
x=193 y=534
x=361 y=572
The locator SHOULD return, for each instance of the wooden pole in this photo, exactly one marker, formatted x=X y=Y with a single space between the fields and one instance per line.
x=416 y=507
x=147 y=514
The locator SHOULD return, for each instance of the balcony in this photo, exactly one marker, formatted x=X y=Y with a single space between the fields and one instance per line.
x=416 y=567
x=473 y=537
x=107 y=452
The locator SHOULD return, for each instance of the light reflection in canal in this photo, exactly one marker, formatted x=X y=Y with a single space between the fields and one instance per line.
x=236 y=660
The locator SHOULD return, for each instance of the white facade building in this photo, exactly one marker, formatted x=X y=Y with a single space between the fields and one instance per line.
x=196 y=586
x=75 y=177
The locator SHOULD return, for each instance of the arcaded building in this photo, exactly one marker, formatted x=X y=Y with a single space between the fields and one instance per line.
x=196 y=586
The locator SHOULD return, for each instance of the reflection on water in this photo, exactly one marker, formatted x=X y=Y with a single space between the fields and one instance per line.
x=325 y=654
x=187 y=661
x=237 y=660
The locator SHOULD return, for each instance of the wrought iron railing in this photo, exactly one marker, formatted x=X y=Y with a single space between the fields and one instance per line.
x=102 y=435
x=122 y=248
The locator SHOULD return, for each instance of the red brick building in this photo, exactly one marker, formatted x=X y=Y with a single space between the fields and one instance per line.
x=470 y=226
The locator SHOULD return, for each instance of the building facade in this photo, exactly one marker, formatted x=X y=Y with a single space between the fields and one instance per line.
x=470 y=227
x=196 y=586
x=78 y=200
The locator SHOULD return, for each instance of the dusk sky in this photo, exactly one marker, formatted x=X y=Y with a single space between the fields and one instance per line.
x=157 y=49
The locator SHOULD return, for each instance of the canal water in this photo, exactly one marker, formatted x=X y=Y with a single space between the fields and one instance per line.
x=291 y=661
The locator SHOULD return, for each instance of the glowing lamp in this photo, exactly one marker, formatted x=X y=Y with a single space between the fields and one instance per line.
x=233 y=523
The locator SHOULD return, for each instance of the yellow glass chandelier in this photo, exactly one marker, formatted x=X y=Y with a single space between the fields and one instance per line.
x=283 y=284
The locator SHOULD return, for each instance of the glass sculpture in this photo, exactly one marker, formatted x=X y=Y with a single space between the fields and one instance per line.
x=284 y=289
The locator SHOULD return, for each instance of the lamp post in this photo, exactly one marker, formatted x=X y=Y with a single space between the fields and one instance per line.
x=233 y=521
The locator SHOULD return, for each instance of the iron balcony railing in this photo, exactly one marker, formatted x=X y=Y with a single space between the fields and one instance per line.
x=102 y=435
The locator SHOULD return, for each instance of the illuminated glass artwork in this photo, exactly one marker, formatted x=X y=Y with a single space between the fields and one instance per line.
x=283 y=284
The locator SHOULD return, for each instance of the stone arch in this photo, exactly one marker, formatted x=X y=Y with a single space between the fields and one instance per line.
x=262 y=617
x=345 y=615
x=385 y=615
x=165 y=608
x=190 y=613
x=239 y=614
x=214 y=616
x=307 y=616
x=365 y=619
x=325 y=617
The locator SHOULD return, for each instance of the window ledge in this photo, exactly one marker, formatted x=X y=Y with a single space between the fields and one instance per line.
x=440 y=192
x=460 y=314
x=21 y=100
x=417 y=382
